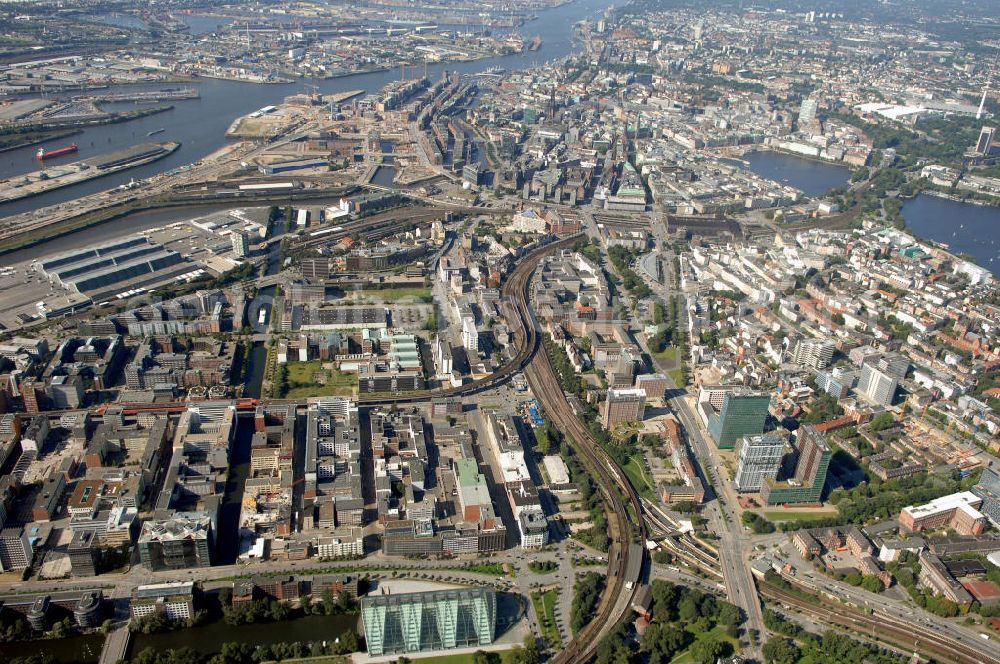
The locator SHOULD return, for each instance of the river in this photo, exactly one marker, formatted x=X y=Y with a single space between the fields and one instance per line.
x=965 y=228
x=811 y=176
x=200 y=124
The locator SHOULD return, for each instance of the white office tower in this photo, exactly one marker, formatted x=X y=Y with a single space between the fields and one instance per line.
x=443 y=357
x=814 y=353
x=470 y=335
x=876 y=386
x=759 y=461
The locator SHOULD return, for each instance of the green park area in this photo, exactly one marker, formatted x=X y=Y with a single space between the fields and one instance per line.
x=545 y=609
x=414 y=293
x=715 y=635
x=801 y=515
x=639 y=476
x=298 y=380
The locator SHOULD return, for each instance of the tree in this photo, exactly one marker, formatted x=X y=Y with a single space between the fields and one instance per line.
x=707 y=651
x=346 y=643
x=779 y=650
x=728 y=614
x=688 y=609
x=483 y=657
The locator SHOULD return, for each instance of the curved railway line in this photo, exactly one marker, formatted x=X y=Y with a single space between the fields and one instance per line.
x=612 y=482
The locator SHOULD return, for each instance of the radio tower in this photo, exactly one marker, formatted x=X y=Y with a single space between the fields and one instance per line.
x=986 y=88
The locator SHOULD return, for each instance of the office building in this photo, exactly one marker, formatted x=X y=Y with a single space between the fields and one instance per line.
x=877 y=386
x=742 y=413
x=655 y=385
x=470 y=335
x=959 y=511
x=623 y=406
x=241 y=244
x=759 y=461
x=183 y=541
x=985 y=142
x=988 y=489
x=426 y=621
x=174 y=600
x=88 y=610
x=809 y=477
x=837 y=383
x=16 y=550
x=83 y=553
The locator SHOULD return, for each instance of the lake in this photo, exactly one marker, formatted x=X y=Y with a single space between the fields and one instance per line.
x=965 y=228
x=811 y=176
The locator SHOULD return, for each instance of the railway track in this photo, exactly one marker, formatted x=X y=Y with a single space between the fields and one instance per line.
x=884 y=628
x=611 y=481
x=526 y=337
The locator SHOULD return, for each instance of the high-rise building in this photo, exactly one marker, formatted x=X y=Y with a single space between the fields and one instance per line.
x=759 y=461
x=435 y=620
x=985 y=142
x=814 y=353
x=809 y=476
x=743 y=413
x=877 y=386
x=470 y=335
x=807 y=112
x=65 y=392
x=988 y=489
x=623 y=406
x=814 y=456
x=241 y=244
x=33 y=394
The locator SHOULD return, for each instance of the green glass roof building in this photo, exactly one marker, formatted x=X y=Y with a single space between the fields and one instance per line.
x=435 y=620
x=742 y=414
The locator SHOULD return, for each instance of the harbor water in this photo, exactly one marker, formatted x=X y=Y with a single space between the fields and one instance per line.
x=200 y=124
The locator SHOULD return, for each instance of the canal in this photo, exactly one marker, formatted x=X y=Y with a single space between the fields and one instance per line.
x=84 y=649
x=208 y=639
x=964 y=227
x=200 y=124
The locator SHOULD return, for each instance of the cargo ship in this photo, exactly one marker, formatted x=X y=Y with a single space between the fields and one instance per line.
x=535 y=43
x=45 y=154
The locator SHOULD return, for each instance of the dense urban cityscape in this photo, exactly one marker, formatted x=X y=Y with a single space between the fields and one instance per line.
x=535 y=331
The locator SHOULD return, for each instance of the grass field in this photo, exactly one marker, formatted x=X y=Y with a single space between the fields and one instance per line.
x=677 y=376
x=302 y=381
x=391 y=294
x=790 y=515
x=545 y=609
x=639 y=476
x=669 y=355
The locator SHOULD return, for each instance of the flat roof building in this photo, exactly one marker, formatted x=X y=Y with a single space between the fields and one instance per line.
x=958 y=510
x=426 y=621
